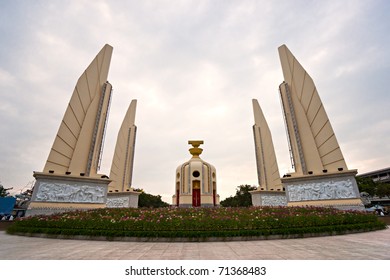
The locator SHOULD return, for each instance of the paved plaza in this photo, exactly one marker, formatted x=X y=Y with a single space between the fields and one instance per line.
x=366 y=246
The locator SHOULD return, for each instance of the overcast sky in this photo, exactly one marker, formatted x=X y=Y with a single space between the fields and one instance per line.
x=194 y=67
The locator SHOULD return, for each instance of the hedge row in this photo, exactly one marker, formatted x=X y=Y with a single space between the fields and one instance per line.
x=199 y=223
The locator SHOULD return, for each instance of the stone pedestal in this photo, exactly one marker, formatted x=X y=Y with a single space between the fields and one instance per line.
x=127 y=199
x=268 y=198
x=337 y=190
x=61 y=193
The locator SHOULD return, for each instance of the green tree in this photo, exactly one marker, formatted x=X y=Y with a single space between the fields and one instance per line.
x=231 y=201
x=149 y=200
x=383 y=190
x=367 y=185
x=3 y=191
x=241 y=199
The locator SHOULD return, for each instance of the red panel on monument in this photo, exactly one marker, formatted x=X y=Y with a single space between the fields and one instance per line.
x=196 y=197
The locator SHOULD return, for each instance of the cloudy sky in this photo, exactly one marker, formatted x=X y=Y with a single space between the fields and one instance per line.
x=194 y=67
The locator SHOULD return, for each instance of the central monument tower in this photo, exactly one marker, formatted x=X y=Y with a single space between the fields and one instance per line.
x=196 y=181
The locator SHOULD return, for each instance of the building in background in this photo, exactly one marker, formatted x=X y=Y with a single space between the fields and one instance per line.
x=379 y=176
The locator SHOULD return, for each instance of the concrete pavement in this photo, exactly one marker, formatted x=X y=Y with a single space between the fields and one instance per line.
x=366 y=246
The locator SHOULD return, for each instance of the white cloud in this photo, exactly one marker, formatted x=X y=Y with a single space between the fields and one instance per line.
x=6 y=78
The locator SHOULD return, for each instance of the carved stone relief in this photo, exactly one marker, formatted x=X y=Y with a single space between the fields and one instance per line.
x=62 y=192
x=321 y=190
x=117 y=202
x=273 y=200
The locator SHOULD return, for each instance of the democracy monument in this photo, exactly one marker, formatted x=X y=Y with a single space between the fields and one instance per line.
x=70 y=178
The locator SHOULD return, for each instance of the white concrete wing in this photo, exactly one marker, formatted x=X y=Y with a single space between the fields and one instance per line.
x=312 y=140
x=267 y=166
x=122 y=163
x=78 y=143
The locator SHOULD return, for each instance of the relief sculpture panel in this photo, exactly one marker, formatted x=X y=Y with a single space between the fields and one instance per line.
x=62 y=192
x=274 y=200
x=321 y=190
x=118 y=202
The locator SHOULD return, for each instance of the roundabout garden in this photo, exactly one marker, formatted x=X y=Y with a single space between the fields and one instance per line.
x=197 y=224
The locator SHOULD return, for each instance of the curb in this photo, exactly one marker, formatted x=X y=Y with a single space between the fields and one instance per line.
x=185 y=239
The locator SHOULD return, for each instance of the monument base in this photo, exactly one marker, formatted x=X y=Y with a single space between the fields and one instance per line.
x=338 y=190
x=268 y=198
x=127 y=199
x=61 y=193
x=342 y=204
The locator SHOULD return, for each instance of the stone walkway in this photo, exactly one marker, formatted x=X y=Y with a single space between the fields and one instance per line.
x=366 y=246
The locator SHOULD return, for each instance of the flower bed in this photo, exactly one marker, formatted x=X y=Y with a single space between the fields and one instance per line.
x=199 y=223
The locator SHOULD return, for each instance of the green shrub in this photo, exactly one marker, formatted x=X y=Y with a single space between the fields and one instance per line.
x=199 y=223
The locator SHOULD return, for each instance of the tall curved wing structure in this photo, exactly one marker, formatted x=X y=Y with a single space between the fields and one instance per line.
x=78 y=144
x=267 y=166
x=122 y=163
x=313 y=143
